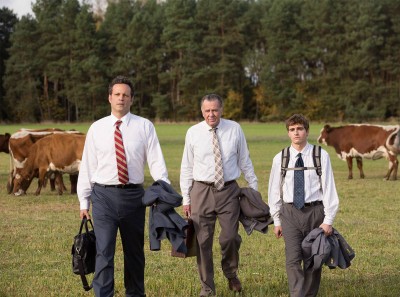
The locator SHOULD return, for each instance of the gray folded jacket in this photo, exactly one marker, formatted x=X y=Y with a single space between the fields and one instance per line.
x=333 y=251
x=254 y=212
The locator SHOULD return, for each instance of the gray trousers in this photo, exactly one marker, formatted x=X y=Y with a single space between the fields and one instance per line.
x=296 y=224
x=121 y=209
x=207 y=205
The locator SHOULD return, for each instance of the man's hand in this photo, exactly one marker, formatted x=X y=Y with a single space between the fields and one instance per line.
x=278 y=231
x=327 y=229
x=84 y=213
x=187 y=210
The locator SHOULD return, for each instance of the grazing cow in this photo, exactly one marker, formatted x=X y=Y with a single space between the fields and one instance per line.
x=60 y=153
x=20 y=144
x=4 y=139
x=364 y=141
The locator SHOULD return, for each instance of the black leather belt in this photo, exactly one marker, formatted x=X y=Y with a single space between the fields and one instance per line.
x=121 y=186
x=318 y=202
x=212 y=184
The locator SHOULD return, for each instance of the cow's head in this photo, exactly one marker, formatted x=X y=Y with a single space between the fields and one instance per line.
x=21 y=184
x=323 y=136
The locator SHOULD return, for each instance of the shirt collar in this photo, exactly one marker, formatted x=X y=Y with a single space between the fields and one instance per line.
x=219 y=126
x=125 y=119
x=304 y=151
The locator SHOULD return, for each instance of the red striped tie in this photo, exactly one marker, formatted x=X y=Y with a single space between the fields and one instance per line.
x=123 y=176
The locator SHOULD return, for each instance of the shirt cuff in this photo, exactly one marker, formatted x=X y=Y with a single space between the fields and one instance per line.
x=186 y=200
x=85 y=204
x=254 y=186
x=277 y=222
x=328 y=221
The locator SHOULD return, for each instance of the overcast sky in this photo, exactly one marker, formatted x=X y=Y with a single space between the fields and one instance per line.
x=19 y=7
x=23 y=7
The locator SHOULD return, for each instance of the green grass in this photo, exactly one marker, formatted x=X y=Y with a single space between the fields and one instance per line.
x=36 y=232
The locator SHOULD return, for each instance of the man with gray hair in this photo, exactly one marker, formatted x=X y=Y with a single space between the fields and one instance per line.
x=215 y=155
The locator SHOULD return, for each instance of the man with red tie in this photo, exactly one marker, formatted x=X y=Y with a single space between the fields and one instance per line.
x=111 y=175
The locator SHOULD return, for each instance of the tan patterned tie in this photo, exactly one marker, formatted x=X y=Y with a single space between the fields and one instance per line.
x=219 y=173
x=123 y=176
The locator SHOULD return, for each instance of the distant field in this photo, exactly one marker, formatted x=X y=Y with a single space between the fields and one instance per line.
x=36 y=232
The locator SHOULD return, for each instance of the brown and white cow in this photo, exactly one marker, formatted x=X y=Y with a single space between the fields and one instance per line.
x=364 y=141
x=60 y=153
x=20 y=144
x=4 y=140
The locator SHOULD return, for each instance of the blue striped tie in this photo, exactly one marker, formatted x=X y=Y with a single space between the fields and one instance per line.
x=298 y=191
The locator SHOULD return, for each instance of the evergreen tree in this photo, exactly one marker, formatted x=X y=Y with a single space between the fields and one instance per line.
x=50 y=52
x=325 y=21
x=67 y=39
x=180 y=46
x=329 y=59
x=255 y=104
x=140 y=55
x=112 y=32
x=285 y=69
x=390 y=63
x=7 y=23
x=222 y=45
x=86 y=88
x=23 y=71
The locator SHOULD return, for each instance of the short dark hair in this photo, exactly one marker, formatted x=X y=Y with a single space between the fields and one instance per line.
x=120 y=79
x=297 y=119
x=212 y=97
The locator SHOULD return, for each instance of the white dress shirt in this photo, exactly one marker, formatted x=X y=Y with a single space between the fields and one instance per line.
x=99 y=164
x=329 y=196
x=198 y=158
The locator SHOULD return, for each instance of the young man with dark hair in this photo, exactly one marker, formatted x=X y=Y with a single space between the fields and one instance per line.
x=301 y=202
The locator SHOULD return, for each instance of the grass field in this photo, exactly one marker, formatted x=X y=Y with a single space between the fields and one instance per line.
x=36 y=232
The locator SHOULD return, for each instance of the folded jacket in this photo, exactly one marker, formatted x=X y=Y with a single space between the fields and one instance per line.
x=164 y=221
x=254 y=212
x=332 y=251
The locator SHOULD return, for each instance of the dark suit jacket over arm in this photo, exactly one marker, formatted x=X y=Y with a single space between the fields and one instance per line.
x=164 y=221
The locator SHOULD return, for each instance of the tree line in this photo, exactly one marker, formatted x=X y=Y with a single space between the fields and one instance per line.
x=328 y=59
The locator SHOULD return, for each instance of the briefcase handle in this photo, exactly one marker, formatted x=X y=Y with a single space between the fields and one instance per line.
x=85 y=222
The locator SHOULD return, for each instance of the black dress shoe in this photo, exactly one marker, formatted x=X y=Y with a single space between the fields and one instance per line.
x=234 y=284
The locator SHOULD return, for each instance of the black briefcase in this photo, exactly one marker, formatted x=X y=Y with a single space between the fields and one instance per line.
x=84 y=252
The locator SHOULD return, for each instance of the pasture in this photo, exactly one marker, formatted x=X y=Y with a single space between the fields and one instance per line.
x=36 y=232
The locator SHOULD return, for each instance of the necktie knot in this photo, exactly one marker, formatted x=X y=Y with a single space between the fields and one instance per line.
x=118 y=123
x=299 y=162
